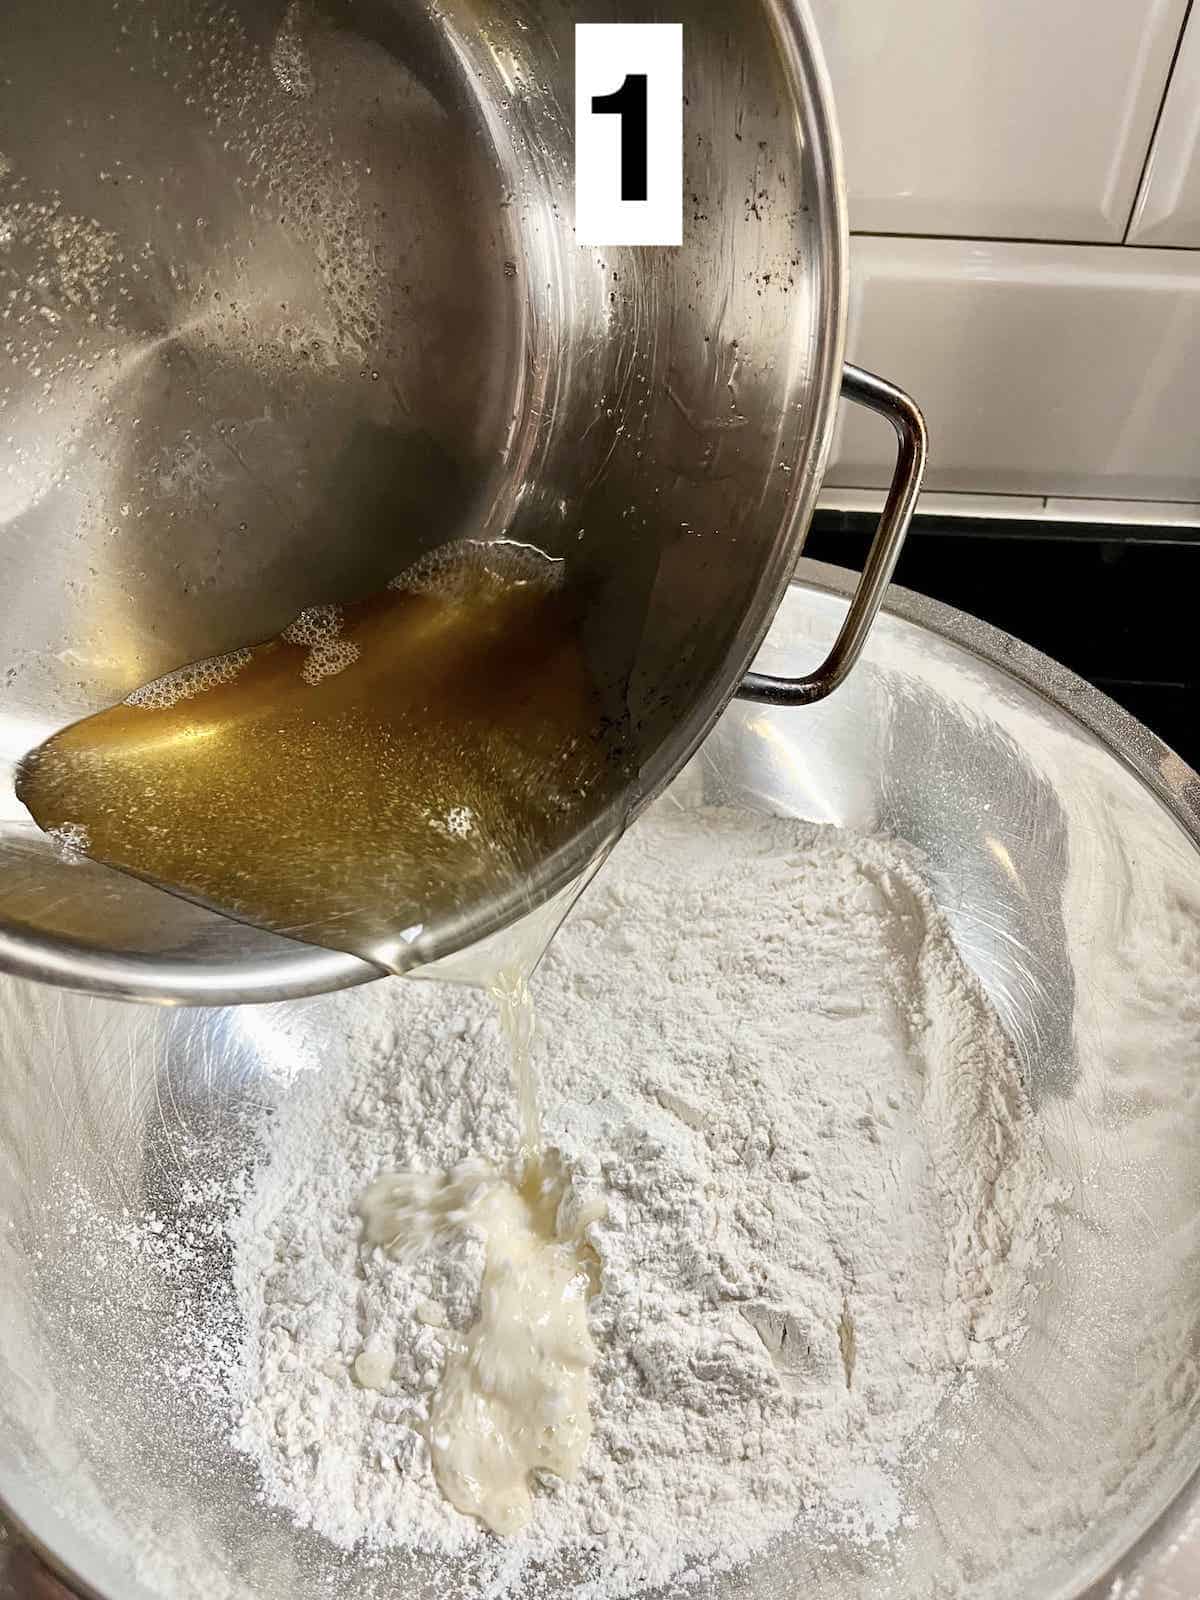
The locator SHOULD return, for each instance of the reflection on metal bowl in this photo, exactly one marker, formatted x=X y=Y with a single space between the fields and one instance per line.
x=1063 y=843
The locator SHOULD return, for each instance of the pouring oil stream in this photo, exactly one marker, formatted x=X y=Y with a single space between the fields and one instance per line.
x=373 y=770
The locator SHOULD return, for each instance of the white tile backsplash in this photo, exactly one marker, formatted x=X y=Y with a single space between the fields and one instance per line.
x=1000 y=118
x=1168 y=207
x=1021 y=507
x=1042 y=369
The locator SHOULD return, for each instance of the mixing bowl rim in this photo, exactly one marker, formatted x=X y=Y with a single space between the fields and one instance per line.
x=1164 y=1554
x=1151 y=760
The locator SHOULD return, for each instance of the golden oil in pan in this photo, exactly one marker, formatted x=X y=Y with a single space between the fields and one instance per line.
x=367 y=772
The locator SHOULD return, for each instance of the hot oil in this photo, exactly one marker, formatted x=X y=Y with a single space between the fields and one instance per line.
x=372 y=770
x=375 y=769
x=512 y=1401
x=513 y=1397
x=503 y=966
x=518 y=1019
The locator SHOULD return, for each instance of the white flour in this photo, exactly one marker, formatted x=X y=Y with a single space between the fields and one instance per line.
x=826 y=1205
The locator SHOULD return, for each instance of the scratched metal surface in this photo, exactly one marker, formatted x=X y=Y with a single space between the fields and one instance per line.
x=1062 y=841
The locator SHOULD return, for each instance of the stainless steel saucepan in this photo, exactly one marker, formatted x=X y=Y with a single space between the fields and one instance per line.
x=291 y=295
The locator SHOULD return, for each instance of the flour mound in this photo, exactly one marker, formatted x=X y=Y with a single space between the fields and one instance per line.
x=826 y=1206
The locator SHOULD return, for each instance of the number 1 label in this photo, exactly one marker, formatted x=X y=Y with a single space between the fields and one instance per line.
x=628 y=133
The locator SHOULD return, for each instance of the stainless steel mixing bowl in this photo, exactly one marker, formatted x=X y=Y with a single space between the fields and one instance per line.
x=1063 y=843
x=291 y=296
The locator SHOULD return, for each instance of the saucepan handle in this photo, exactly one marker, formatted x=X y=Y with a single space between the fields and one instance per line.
x=912 y=445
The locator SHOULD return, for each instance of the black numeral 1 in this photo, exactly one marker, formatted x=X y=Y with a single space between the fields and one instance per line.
x=629 y=103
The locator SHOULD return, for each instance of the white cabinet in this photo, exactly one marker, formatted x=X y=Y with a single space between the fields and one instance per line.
x=1020 y=119
x=1168 y=208
x=1042 y=369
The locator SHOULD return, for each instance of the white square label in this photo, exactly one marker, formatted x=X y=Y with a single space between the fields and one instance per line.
x=629 y=133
